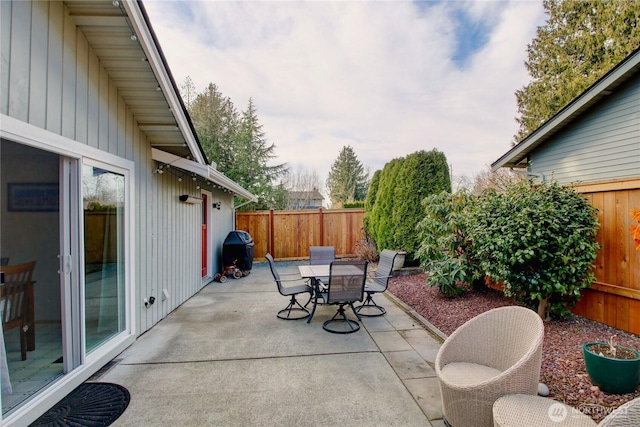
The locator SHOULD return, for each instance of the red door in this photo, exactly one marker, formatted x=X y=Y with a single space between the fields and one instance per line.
x=204 y=234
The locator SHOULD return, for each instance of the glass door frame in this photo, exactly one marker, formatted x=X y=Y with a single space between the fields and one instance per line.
x=73 y=154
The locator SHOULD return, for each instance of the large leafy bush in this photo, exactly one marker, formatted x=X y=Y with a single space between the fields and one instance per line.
x=538 y=241
x=445 y=249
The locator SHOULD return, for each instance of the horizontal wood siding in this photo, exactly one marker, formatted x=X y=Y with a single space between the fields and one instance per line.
x=288 y=234
x=615 y=297
x=51 y=78
x=603 y=144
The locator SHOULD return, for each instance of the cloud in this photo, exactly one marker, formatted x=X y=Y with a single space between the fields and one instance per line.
x=388 y=78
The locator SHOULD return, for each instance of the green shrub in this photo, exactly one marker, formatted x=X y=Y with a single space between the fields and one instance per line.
x=393 y=205
x=353 y=205
x=538 y=241
x=445 y=250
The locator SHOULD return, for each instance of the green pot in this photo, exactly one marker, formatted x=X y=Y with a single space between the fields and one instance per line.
x=616 y=376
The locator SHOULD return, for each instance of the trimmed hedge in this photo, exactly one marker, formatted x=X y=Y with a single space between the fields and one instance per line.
x=394 y=201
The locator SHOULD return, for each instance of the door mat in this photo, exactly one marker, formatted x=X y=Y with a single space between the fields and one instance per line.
x=89 y=405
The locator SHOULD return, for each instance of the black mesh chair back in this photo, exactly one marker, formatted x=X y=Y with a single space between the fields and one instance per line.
x=293 y=311
x=346 y=286
x=319 y=255
x=17 y=279
x=378 y=284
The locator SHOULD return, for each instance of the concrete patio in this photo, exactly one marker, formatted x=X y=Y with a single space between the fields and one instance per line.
x=224 y=359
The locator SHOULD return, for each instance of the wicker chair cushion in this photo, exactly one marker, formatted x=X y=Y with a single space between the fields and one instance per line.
x=464 y=373
x=521 y=410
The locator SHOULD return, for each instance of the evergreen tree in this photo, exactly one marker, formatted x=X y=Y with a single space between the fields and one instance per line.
x=250 y=168
x=580 y=42
x=216 y=122
x=348 y=180
x=188 y=92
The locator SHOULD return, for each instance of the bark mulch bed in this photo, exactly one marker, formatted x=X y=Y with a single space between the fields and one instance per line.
x=563 y=369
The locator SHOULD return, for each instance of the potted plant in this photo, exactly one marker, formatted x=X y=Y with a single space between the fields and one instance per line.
x=612 y=367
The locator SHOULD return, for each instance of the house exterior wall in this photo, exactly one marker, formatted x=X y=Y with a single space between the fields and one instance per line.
x=51 y=79
x=604 y=144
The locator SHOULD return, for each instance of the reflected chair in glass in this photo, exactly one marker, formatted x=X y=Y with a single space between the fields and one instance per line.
x=346 y=286
x=17 y=279
x=377 y=285
x=293 y=311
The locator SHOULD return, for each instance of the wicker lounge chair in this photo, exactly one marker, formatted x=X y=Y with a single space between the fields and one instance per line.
x=520 y=410
x=496 y=353
x=294 y=306
x=378 y=285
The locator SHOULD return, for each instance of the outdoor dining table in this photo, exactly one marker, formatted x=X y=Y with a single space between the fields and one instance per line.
x=314 y=272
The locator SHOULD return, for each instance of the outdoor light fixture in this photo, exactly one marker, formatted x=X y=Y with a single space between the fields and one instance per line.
x=216 y=205
x=190 y=199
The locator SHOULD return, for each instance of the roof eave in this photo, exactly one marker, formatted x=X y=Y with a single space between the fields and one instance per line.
x=205 y=171
x=148 y=41
x=519 y=153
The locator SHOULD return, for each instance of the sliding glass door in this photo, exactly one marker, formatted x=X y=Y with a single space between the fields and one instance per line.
x=103 y=202
x=71 y=216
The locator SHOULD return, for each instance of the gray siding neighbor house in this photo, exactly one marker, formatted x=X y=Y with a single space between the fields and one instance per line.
x=593 y=144
x=305 y=199
x=96 y=155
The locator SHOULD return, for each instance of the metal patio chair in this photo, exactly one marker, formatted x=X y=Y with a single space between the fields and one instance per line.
x=377 y=285
x=294 y=308
x=346 y=286
x=321 y=255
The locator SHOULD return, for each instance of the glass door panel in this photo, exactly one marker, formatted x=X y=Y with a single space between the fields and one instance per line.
x=104 y=293
x=30 y=215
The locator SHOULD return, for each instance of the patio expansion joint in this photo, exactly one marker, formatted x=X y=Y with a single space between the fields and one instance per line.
x=236 y=359
x=417 y=317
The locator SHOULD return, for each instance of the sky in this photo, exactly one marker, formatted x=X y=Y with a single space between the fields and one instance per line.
x=388 y=78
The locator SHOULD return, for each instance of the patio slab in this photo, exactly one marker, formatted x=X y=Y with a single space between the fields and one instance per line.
x=223 y=358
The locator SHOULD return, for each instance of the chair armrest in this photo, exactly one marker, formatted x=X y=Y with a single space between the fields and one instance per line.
x=323 y=287
x=293 y=279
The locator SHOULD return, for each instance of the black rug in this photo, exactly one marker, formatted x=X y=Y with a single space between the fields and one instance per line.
x=91 y=404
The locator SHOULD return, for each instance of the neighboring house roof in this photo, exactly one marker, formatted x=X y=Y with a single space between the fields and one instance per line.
x=305 y=195
x=138 y=68
x=518 y=155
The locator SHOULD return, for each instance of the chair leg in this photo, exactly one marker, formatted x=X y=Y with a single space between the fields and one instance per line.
x=294 y=306
x=23 y=341
x=341 y=317
x=368 y=306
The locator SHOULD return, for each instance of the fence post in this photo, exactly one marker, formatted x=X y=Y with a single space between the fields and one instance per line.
x=321 y=219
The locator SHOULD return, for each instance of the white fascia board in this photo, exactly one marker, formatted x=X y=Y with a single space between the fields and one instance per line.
x=204 y=171
x=180 y=162
x=224 y=181
x=153 y=56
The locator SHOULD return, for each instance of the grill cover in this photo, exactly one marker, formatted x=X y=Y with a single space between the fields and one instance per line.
x=238 y=246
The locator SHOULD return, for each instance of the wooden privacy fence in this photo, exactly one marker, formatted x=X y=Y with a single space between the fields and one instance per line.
x=614 y=299
x=287 y=235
